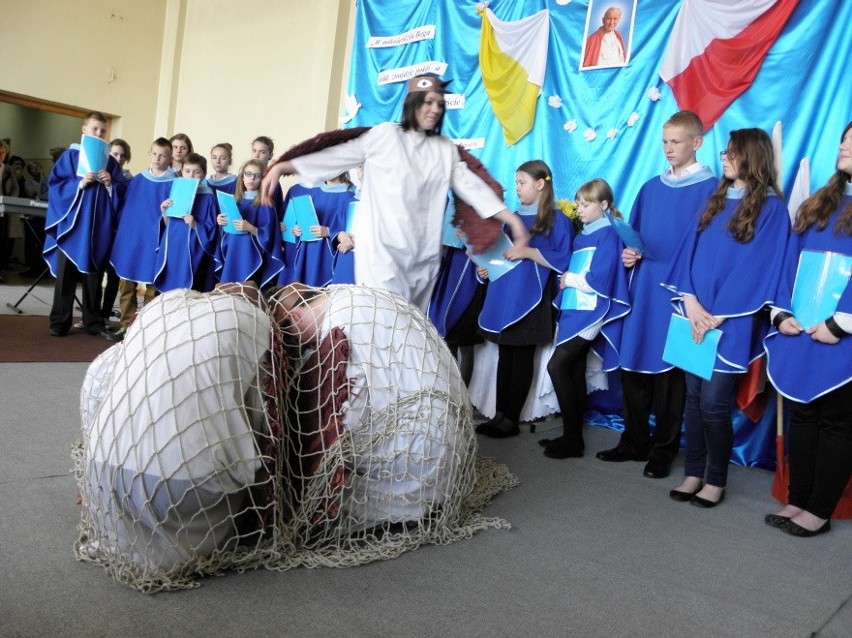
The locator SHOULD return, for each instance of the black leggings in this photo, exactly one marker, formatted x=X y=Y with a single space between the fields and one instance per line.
x=820 y=451
x=514 y=378
x=567 y=370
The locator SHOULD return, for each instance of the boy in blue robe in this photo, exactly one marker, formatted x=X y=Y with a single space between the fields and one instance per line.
x=666 y=208
x=80 y=227
x=134 y=253
x=185 y=253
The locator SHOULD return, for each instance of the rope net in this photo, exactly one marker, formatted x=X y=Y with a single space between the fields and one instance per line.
x=329 y=427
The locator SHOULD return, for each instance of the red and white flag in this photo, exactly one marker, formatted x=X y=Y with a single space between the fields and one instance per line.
x=716 y=49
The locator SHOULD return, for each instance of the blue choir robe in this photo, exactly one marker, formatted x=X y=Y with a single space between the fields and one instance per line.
x=664 y=212
x=608 y=281
x=185 y=254
x=515 y=294
x=733 y=280
x=800 y=368
x=313 y=263
x=454 y=290
x=80 y=222
x=227 y=184
x=134 y=253
x=344 y=266
x=243 y=257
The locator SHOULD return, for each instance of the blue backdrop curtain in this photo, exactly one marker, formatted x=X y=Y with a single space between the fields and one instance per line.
x=803 y=83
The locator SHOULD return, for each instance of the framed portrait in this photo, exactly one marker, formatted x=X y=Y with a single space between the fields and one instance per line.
x=608 y=35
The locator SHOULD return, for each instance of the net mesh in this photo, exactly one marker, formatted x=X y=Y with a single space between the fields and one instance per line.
x=326 y=428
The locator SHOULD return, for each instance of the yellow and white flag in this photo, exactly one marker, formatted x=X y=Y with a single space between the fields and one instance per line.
x=512 y=58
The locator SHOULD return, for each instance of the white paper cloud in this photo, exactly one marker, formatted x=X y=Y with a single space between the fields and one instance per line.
x=589 y=134
x=633 y=118
x=555 y=101
x=570 y=126
x=653 y=94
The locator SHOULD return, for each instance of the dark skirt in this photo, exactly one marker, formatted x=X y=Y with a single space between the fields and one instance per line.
x=466 y=330
x=536 y=327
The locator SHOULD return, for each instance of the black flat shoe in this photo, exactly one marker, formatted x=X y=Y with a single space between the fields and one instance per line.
x=683 y=497
x=561 y=449
x=794 y=529
x=501 y=430
x=618 y=455
x=776 y=520
x=490 y=423
x=657 y=469
x=703 y=502
x=545 y=442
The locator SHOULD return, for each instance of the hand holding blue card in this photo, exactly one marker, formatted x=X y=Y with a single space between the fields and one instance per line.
x=493 y=260
x=94 y=155
x=306 y=216
x=182 y=194
x=289 y=221
x=821 y=279
x=682 y=351
x=572 y=298
x=229 y=208
x=629 y=237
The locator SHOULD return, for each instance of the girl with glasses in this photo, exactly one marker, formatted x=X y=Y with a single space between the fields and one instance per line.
x=250 y=248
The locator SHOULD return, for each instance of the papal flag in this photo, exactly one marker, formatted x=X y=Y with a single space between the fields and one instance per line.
x=716 y=49
x=512 y=58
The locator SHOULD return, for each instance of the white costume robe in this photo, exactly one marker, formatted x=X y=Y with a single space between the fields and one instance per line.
x=405 y=411
x=169 y=418
x=407 y=175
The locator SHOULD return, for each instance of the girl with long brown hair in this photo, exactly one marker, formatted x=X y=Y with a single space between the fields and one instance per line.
x=724 y=275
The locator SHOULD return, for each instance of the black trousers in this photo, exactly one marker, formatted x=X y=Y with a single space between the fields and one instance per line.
x=567 y=370
x=514 y=377
x=820 y=451
x=663 y=394
x=62 y=311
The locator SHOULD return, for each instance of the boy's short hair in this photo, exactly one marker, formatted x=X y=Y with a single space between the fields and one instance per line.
x=4 y=145
x=196 y=159
x=95 y=115
x=265 y=140
x=688 y=121
x=162 y=142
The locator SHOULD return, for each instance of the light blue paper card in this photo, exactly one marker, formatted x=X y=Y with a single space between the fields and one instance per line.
x=628 y=235
x=350 y=215
x=182 y=194
x=289 y=221
x=306 y=216
x=449 y=235
x=820 y=281
x=573 y=299
x=94 y=154
x=682 y=351
x=493 y=259
x=229 y=208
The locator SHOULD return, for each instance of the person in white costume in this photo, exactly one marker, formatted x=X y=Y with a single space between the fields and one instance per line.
x=171 y=420
x=409 y=167
x=406 y=418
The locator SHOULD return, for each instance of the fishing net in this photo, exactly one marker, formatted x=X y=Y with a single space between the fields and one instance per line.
x=329 y=428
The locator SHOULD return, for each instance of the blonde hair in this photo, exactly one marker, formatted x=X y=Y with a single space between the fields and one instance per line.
x=598 y=190
x=241 y=185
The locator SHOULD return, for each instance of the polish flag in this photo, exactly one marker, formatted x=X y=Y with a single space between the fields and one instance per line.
x=716 y=49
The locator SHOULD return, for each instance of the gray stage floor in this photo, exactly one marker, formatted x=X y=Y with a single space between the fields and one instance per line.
x=595 y=549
